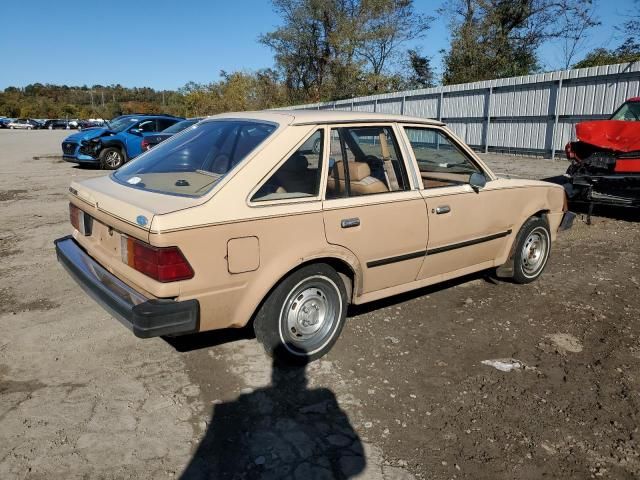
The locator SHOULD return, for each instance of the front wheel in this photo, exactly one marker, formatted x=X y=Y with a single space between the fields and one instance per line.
x=111 y=158
x=531 y=250
x=302 y=317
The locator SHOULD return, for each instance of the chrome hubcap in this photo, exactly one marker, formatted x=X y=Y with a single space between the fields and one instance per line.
x=310 y=315
x=534 y=251
x=307 y=313
x=113 y=159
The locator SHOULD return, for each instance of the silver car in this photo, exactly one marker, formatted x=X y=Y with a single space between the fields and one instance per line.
x=25 y=123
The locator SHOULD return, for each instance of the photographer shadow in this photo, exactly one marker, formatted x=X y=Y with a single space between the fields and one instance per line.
x=285 y=430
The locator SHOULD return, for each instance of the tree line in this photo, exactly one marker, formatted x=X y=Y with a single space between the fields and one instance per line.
x=334 y=49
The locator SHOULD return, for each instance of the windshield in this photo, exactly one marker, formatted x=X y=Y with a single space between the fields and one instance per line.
x=121 y=124
x=192 y=162
x=178 y=127
x=629 y=111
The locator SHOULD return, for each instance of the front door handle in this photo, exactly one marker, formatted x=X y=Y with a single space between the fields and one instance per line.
x=443 y=209
x=350 y=222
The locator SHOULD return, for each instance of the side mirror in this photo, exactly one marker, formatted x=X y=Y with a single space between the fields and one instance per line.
x=477 y=181
x=135 y=131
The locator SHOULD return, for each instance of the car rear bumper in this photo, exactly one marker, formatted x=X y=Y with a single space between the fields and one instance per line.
x=143 y=316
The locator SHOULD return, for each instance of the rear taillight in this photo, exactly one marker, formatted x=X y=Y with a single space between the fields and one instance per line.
x=80 y=220
x=145 y=145
x=164 y=264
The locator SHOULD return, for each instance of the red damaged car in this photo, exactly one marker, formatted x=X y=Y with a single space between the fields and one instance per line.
x=605 y=159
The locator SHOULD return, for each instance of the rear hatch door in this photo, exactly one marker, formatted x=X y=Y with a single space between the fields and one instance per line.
x=130 y=205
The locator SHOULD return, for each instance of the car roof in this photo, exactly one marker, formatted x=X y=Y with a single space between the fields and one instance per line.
x=148 y=115
x=313 y=117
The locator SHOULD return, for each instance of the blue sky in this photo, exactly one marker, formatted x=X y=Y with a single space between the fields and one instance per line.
x=164 y=44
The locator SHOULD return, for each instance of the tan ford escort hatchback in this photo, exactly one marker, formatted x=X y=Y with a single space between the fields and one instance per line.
x=284 y=218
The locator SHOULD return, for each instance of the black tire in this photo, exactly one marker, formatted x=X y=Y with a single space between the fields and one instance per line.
x=111 y=158
x=532 y=249
x=302 y=317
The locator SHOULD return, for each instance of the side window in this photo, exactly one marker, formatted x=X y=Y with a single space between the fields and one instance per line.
x=299 y=176
x=147 y=126
x=364 y=161
x=440 y=161
x=164 y=123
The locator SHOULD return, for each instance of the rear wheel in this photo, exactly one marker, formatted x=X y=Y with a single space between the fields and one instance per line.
x=531 y=251
x=302 y=317
x=111 y=158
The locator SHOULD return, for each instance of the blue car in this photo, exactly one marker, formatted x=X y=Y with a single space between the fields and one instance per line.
x=116 y=143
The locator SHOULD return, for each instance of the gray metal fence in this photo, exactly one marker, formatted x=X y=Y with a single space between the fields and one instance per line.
x=533 y=114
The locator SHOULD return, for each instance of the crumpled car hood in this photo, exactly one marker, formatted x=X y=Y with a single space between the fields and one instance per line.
x=617 y=135
x=86 y=134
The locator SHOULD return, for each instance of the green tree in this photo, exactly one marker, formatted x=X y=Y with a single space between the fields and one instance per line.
x=629 y=51
x=500 y=38
x=420 y=72
x=329 y=49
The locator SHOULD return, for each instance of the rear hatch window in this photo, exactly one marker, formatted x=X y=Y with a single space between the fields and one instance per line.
x=193 y=161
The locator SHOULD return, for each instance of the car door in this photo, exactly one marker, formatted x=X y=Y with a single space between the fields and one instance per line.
x=371 y=208
x=134 y=140
x=466 y=228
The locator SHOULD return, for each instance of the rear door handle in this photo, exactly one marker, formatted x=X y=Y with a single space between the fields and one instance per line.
x=443 y=209
x=350 y=222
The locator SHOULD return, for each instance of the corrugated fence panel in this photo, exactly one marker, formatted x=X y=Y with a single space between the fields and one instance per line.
x=529 y=102
x=470 y=132
x=518 y=135
x=534 y=113
x=346 y=107
x=423 y=107
x=364 y=107
x=463 y=105
x=390 y=106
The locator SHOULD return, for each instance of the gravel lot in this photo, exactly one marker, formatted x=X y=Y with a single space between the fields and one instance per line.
x=403 y=395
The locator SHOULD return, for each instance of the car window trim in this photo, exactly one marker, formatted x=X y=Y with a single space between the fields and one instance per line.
x=407 y=153
x=461 y=146
x=401 y=152
x=281 y=201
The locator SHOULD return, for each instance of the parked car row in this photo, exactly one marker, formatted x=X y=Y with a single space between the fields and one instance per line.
x=50 y=124
x=121 y=139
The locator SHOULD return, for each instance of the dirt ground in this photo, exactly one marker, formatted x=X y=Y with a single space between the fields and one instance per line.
x=410 y=391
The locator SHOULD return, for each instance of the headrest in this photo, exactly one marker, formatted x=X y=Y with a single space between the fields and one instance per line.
x=357 y=170
x=297 y=163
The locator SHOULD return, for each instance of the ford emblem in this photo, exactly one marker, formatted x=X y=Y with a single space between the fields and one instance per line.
x=142 y=220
